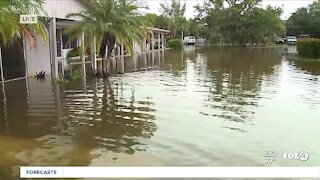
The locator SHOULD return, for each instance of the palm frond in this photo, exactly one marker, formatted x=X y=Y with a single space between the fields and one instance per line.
x=118 y=18
x=10 y=27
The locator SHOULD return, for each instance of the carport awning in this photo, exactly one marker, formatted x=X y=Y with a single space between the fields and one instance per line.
x=157 y=30
x=160 y=30
x=66 y=22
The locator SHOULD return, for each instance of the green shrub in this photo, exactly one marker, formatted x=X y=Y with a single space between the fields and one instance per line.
x=309 y=48
x=73 y=52
x=76 y=52
x=175 y=44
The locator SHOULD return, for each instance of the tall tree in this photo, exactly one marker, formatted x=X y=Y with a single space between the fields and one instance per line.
x=158 y=21
x=240 y=21
x=109 y=22
x=241 y=4
x=263 y=25
x=208 y=18
x=305 y=21
x=175 y=11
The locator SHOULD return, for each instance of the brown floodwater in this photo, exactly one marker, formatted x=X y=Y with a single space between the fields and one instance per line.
x=197 y=107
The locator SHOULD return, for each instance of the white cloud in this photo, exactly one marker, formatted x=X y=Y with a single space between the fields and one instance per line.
x=289 y=6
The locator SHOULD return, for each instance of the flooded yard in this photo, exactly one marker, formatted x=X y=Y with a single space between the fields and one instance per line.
x=203 y=106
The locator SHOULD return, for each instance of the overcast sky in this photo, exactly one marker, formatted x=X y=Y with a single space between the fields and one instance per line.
x=289 y=5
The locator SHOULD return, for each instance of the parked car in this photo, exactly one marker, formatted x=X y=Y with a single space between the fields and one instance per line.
x=303 y=36
x=189 y=40
x=292 y=40
x=279 y=40
x=285 y=39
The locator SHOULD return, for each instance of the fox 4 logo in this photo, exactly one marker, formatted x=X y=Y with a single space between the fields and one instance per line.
x=302 y=156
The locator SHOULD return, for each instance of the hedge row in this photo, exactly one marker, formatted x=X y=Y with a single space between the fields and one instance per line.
x=309 y=48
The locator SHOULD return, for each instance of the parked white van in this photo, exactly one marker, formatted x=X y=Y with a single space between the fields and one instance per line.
x=190 y=40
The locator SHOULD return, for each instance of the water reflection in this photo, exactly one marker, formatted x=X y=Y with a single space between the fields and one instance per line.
x=189 y=107
x=309 y=66
x=18 y=123
x=237 y=79
x=108 y=116
x=139 y=62
x=2 y=110
x=49 y=124
x=231 y=77
x=309 y=71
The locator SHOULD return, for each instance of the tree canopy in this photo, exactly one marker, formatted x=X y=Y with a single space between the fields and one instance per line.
x=158 y=21
x=305 y=21
x=240 y=21
x=175 y=12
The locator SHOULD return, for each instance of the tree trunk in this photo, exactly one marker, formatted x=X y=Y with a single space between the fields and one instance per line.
x=182 y=36
x=106 y=48
x=102 y=53
x=104 y=63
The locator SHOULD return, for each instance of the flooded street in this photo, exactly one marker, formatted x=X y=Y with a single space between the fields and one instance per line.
x=197 y=107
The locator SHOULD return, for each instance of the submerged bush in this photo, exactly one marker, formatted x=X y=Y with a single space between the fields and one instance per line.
x=75 y=76
x=309 y=48
x=175 y=44
x=61 y=80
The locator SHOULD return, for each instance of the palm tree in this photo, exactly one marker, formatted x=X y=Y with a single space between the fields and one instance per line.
x=175 y=11
x=10 y=27
x=110 y=21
